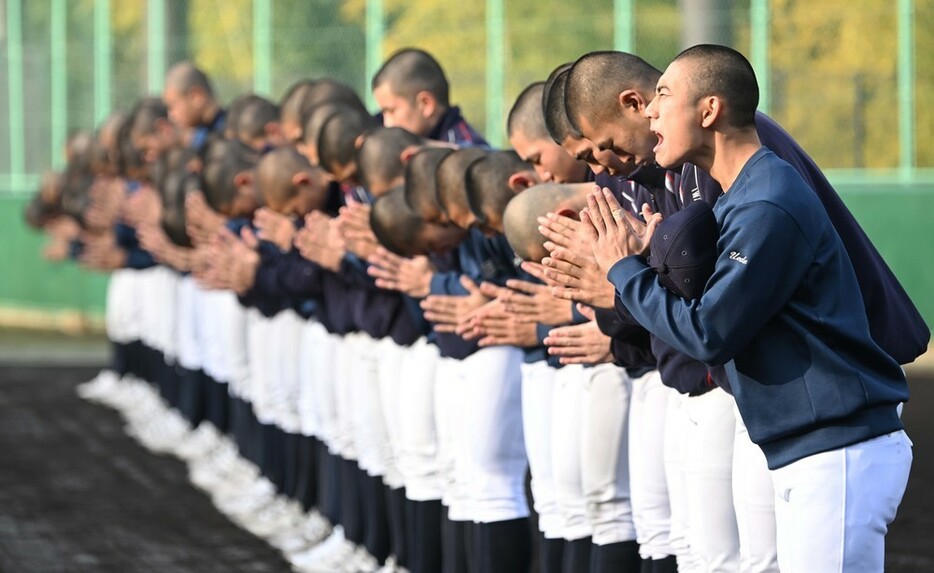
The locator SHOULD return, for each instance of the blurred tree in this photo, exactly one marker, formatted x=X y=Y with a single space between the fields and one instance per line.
x=128 y=49
x=834 y=71
x=315 y=38
x=176 y=31
x=454 y=33
x=658 y=31
x=541 y=34
x=924 y=82
x=221 y=43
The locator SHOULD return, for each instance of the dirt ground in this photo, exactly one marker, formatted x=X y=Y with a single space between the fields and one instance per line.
x=77 y=495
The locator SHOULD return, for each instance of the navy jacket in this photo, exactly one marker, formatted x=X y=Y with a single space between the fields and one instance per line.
x=203 y=132
x=449 y=344
x=265 y=294
x=633 y=347
x=136 y=257
x=453 y=128
x=784 y=314
x=482 y=259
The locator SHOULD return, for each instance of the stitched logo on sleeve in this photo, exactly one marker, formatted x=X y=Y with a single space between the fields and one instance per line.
x=738 y=257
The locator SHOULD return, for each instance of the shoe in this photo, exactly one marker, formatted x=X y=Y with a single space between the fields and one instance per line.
x=233 y=483
x=162 y=433
x=276 y=519
x=207 y=471
x=363 y=562
x=253 y=499
x=390 y=566
x=290 y=541
x=99 y=389
x=201 y=441
x=339 y=560
x=316 y=527
x=132 y=393
x=322 y=554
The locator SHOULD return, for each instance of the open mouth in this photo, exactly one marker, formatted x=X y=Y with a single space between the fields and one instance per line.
x=661 y=138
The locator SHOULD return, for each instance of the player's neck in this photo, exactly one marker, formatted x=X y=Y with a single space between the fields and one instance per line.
x=732 y=149
x=210 y=113
x=435 y=120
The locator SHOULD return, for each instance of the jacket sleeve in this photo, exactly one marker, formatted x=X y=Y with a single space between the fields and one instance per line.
x=763 y=257
x=447 y=283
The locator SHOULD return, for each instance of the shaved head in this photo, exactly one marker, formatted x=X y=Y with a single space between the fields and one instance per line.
x=529 y=136
x=184 y=76
x=327 y=90
x=410 y=71
x=526 y=115
x=145 y=115
x=421 y=184
x=556 y=118
x=257 y=113
x=225 y=160
x=290 y=109
x=596 y=80
x=723 y=72
x=337 y=142
x=395 y=224
x=379 y=159
x=488 y=189
x=289 y=184
x=520 y=221
x=452 y=187
x=311 y=128
x=189 y=96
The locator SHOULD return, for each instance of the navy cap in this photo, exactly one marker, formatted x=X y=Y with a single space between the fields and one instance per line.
x=683 y=250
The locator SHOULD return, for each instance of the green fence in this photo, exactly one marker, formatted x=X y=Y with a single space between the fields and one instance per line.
x=849 y=84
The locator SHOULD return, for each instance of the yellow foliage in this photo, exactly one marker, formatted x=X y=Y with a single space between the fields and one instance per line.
x=833 y=79
x=221 y=42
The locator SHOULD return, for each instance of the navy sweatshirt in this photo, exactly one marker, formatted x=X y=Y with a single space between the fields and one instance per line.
x=784 y=314
x=894 y=320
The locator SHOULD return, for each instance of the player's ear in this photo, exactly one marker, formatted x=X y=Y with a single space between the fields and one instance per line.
x=163 y=126
x=243 y=179
x=358 y=142
x=408 y=153
x=426 y=102
x=301 y=178
x=272 y=130
x=521 y=181
x=711 y=109
x=632 y=100
x=195 y=165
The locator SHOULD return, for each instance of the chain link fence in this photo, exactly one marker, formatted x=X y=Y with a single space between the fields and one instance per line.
x=836 y=76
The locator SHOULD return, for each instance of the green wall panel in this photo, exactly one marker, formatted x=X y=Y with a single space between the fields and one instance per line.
x=898 y=219
x=29 y=281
